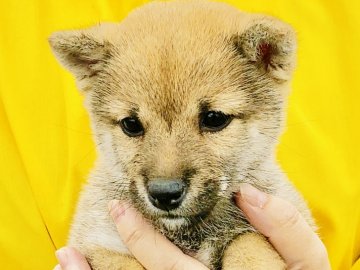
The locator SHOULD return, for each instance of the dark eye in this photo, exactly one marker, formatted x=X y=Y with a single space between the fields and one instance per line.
x=132 y=127
x=214 y=121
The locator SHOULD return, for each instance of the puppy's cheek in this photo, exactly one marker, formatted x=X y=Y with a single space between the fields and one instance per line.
x=139 y=197
x=203 y=198
x=134 y=193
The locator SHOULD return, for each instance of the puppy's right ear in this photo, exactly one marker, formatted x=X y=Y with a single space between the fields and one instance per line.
x=269 y=44
x=83 y=53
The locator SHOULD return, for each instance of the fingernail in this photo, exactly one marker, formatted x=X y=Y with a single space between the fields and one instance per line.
x=253 y=196
x=117 y=209
x=112 y=204
x=57 y=267
x=62 y=256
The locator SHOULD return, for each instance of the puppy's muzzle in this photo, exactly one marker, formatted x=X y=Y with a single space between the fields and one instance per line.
x=166 y=194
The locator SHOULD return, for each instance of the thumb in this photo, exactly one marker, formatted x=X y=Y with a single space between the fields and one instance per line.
x=286 y=229
x=153 y=250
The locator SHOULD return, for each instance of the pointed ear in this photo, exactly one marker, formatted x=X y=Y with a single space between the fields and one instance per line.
x=270 y=44
x=84 y=53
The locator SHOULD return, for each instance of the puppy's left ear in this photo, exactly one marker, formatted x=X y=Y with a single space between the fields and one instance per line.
x=269 y=44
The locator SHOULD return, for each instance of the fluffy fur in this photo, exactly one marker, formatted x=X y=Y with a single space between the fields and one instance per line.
x=166 y=63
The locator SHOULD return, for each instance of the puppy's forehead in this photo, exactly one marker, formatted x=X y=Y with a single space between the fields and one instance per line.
x=168 y=81
x=175 y=58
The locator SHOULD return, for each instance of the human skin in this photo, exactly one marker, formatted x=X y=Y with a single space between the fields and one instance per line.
x=275 y=218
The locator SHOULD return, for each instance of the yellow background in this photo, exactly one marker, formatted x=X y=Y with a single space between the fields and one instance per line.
x=46 y=148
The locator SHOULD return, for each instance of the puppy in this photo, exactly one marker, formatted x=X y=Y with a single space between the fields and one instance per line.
x=186 y=101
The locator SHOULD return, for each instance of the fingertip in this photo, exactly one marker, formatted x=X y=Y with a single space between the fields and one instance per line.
x=113 y=204
x=118 y=210
x=69 y=258
x=124 y=214
x=62 y=256
x=252 y=195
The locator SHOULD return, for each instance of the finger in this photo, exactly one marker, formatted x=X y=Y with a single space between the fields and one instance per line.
x=70 y=259
x=150 y=248
x=286 y=229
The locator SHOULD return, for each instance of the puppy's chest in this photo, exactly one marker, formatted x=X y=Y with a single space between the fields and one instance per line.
x=210 y=255
x=206 y=249
x=206 y=255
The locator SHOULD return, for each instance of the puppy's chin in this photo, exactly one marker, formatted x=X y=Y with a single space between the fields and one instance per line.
x=176 y=222
x=173 y=224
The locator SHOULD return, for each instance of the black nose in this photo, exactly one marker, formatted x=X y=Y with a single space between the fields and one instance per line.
x=166 y=194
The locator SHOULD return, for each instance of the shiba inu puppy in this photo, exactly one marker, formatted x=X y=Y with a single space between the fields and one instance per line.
x=186 y=100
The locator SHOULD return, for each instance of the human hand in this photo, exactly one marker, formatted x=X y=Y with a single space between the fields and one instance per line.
x=150 y=248
x=277 y=219
x=285 y=228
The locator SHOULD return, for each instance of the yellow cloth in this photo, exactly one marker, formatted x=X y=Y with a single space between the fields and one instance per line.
x=46 y=148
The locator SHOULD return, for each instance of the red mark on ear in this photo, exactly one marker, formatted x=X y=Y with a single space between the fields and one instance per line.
x=265 y=52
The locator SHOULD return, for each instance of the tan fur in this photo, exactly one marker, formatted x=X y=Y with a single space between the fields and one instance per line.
x=251 y=252
x=109 y=260
x=165 y=63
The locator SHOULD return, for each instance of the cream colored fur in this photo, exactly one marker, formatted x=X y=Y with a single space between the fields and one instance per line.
x=165 y=63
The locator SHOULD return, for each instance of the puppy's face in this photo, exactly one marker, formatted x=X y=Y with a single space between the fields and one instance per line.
x=185 y=100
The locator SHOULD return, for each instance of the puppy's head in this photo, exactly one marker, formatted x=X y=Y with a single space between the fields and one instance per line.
x=185 y=100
